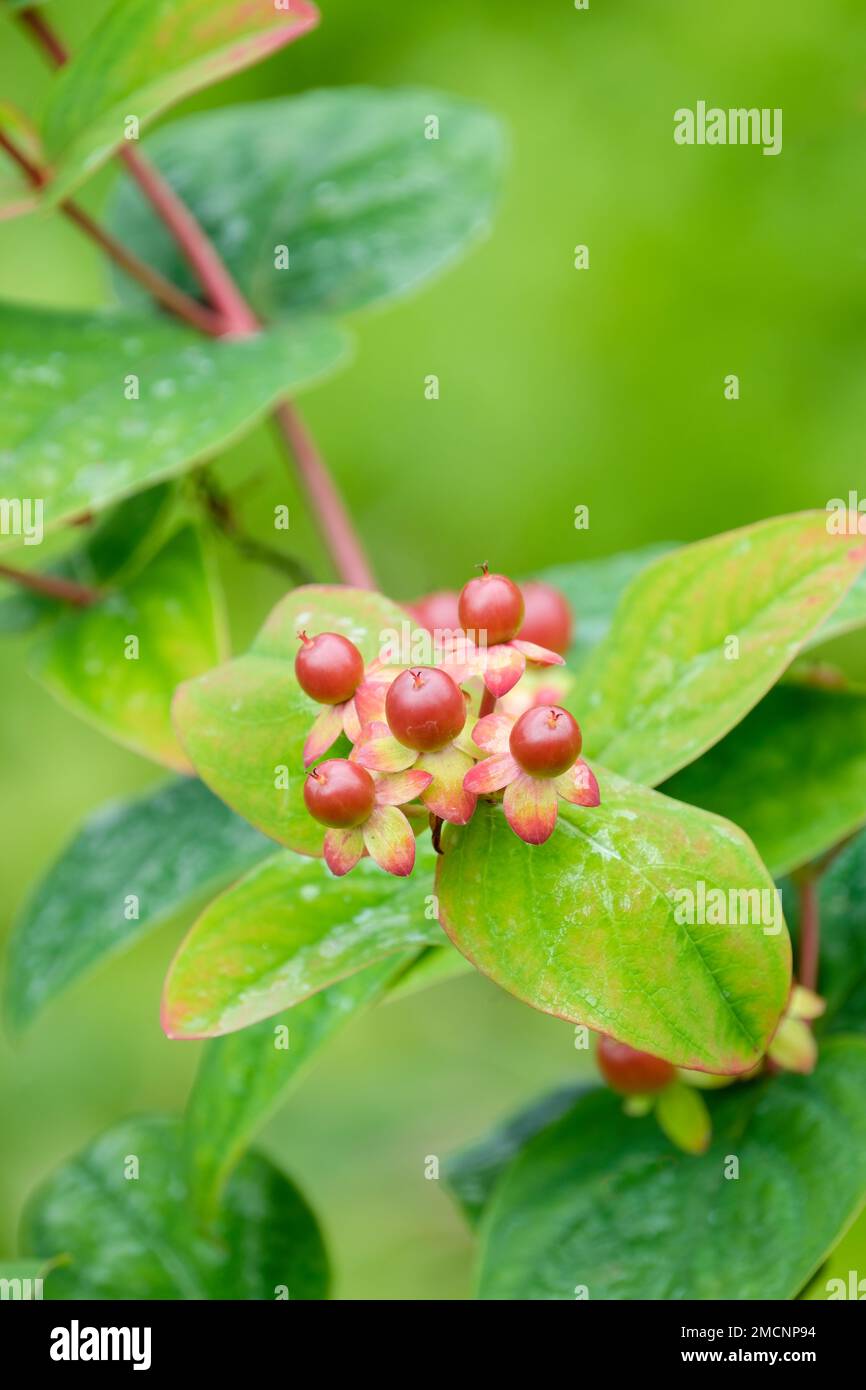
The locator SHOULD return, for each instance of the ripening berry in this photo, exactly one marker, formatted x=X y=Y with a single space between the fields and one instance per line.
x=491 y=606
x=630 y=1072
x=547 y=620
x=339 y=794
x=545 y=741
x=329 y=667
x=424 y=708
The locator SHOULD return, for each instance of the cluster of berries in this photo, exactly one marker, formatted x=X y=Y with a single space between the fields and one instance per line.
x=443 y=734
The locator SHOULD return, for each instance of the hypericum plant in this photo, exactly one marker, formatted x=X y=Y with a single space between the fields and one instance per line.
x=632 y=894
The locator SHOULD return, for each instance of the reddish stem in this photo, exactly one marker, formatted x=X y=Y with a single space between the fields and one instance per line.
x=32 y=20
x=51 y=586
x=810 y=932
x=196 y=247
x=174 y=299
x=336 y=528
x=236 y=316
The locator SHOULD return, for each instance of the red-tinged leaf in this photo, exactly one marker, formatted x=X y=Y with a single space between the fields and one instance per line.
x=491 y=774
x=493 y=732
x=396 y=788
x=143 y=58
x=701 y=635
x=530 y=808
x=288 y=930
x=327 y=727
x=578 y=785
x=389 y=841
x=378 y=750
x=543 y=656
x=343 y=849
x=503 y=667
x=447 y=795
x=594 y=926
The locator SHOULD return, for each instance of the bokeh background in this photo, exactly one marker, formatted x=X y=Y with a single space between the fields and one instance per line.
x=558 y=387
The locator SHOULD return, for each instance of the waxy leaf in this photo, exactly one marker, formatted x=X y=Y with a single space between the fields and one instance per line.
x=243 y=725
x=120 y=1210
x=593 y=925
x=287 y=930
x=793 y=774
x=702 y=634
x=593 y=589
x=143 y=57
x=244 y=1076
x=74 y=439
x=603 y=1201
x=117 y=662
x=132 y=866
x=339 y=199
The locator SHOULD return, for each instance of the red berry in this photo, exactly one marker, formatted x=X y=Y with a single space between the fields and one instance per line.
x=630 y=1072
x=491 y=606
x=425 y=709
x=339 y=793
x=329 y=667
x=437 y=610
x=545 y=741
x=548 y=620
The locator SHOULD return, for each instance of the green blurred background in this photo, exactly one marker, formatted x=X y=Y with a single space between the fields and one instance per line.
x=558 y=387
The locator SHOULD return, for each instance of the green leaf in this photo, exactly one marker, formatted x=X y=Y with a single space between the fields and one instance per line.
x=244 y=1076
x=472 y=1174
x=365 y=206
x=601 y=1200
x=287 y=930
x=243 y=725
x=70 y=438
x=594 y=588
x=793 y=774
x=168 y=849
x=173 y=609
x=589 y=927
x=143 y=58
x=121 y=1210
x=667 y=683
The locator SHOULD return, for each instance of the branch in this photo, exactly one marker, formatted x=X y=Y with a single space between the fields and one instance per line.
x=32 y=20
x=197 y=249
x=235 y=316
x=221 y=512
x=51 y=586
x=810 y=931
x=334 y=524
x=167 y=294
